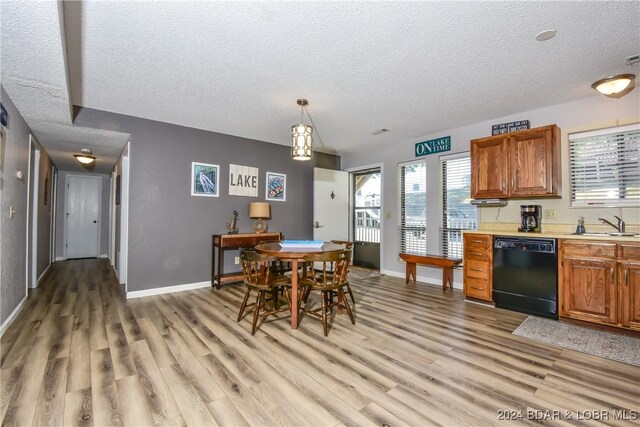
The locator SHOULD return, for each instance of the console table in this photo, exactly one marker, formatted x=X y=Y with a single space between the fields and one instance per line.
x=223 y=242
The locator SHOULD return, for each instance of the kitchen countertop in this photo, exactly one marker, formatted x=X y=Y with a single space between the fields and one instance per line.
x=552 y=234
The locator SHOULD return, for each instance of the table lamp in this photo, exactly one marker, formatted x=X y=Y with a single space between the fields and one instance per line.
x=258 y=211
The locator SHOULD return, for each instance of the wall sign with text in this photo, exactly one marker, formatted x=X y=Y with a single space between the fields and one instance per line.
x=433 y=146
x=243 y=181
x=509 y=127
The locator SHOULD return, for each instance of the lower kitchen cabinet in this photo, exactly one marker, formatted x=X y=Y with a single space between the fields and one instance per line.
x=600 y=282
x=629 y=276
x=478 y=266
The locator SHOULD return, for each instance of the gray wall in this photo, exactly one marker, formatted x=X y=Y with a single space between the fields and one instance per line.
x=15 y=157
x=60 y=213
x=170 y=230
x=590 y=113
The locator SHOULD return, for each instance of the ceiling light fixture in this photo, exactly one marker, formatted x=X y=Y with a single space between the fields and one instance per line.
x=302 y=135
x=615 y=86
x=85 y=158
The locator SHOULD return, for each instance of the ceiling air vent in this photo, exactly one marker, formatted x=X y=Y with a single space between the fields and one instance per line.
x=633 y=59
x=379 y=131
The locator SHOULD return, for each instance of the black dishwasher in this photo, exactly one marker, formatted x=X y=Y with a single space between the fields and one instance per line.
x=525 y=275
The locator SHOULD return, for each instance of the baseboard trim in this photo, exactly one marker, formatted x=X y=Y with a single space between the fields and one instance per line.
x=167 y=290
x=60 y=258
x=103 y=256
x=12 y=316
x=43 y=273
x=427 y=280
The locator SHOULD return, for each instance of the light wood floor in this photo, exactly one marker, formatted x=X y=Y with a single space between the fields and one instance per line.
x=79 y=354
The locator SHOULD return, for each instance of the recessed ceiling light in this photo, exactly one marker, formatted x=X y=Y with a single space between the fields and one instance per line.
x=545 y=35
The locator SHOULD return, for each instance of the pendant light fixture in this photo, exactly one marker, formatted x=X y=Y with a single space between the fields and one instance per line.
x=615 y=86
x=302 y=136
x=85 y=158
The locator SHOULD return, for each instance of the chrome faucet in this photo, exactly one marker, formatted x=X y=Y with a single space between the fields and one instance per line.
x=619 y=227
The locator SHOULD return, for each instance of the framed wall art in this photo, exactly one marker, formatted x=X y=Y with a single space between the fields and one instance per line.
x=243 y=181
x=276 y=188
x=204 y=179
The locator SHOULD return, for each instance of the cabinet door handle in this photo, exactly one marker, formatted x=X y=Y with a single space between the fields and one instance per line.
x=612 y=276
x=476 y=269
x=477 y=254
x=476 y=241
x=476 y=288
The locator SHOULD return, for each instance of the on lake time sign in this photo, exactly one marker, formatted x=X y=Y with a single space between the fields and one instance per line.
x=433 y=146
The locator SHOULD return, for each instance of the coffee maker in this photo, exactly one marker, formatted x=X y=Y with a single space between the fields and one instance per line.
x=530 y=216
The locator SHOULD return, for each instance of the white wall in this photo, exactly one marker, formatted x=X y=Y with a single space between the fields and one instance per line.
x=586 y=114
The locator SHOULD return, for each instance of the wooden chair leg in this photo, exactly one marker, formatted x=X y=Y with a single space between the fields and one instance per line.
x=256 y=313
x=323 y=300
x=350 y=293
x=275 y=298
x=343 y=297
x=244 y=303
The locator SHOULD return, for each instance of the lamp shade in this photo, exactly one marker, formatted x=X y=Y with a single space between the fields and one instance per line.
x=301 y=142
x=259 y=210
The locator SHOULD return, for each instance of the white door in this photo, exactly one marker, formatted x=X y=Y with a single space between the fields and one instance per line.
x=83 y=197
x=330 y=204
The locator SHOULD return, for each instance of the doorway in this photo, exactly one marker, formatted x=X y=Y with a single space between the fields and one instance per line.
x=367 y=202
x=83 y=199
x=33 y=188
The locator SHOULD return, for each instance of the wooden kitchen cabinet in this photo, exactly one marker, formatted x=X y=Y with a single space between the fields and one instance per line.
x=523 y=164
x=478 y=266
x=489 y=168
x=600 y=282
x=629 y=285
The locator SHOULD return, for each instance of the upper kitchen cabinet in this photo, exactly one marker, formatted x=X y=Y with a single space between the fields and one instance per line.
x=523 y=164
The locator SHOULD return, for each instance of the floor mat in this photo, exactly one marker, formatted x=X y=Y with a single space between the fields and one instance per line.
x=612 y=346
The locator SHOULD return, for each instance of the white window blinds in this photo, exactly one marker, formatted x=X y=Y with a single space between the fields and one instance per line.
x=457 y=213
x=605 y=167
x=412 y=182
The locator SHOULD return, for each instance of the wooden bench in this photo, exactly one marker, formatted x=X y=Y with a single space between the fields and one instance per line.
x=443 y=262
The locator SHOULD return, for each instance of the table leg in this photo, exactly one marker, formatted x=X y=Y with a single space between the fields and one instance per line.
x=410 y=271
x=447 y=277
x=294 y=293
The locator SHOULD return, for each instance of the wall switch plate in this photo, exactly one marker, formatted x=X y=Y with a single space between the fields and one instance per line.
x=550 y=214
x=237 y=260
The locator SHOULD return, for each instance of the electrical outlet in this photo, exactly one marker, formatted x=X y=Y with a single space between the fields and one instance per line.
x=237 y=260
x=550 y=214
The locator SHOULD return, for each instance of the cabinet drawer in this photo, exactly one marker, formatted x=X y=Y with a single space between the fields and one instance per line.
x=477 y=243
x=589 y=249
x=477 y=269
x=477 y=288
x=629 y=251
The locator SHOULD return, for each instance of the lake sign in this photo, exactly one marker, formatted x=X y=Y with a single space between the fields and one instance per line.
x=433 y=146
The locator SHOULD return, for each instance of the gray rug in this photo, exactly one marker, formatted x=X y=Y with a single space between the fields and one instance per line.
x=612 y=346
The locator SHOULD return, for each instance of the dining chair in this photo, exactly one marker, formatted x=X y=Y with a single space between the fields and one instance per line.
x=317 y=267
x=260 y=275
x=331 y=277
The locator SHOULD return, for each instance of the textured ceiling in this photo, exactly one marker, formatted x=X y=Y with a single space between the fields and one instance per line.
x=415 y=68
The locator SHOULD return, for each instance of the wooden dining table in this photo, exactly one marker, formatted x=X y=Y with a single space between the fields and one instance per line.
x=294 y=255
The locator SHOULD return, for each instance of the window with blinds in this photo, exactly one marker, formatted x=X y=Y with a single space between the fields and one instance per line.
x=457 y=213
x=412 y=182
x=605 y=167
